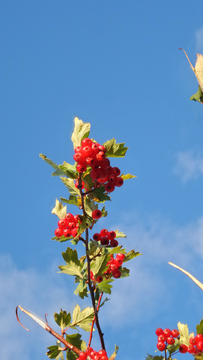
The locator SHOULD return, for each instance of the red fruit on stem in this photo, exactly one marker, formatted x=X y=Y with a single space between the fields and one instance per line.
x=167 y=332
x=114 y=243
x=109 y=187
x=104 y=241
x=78 y=148
x=118 y=262
x=96 y=214
x=62 y=223
x=162 y=337
x=69 y=217
x=59 y=232
x=67 y=232
x=104 y=232
x=199 y=345
x=199 y=337
x=192 y=340
x=100 y=156
x=81 y=167
x=118 y=181
x=77 y=183
x=111 y=235
x=86 y=142
x=79 y=157
x=116 y=171
x=102 y=148
x=160 y=345
x=122 y=256
x=99 y=279
x=191 y=349
x=74 y=232
x=97 y=237
x=116 y=273
x=183 y=348
x=175 y=333
x=170 y=340
x=87 y=151
x=82 y=356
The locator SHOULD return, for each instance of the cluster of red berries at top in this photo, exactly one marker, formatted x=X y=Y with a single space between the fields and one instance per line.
x=113 y=268
x=106 y=238
x=165 y=337
x=68 y=226
x=196 y=345
x=93 y=355
x=93 y=154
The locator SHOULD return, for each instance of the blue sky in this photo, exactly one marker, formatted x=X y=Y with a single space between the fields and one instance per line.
x=115 y=64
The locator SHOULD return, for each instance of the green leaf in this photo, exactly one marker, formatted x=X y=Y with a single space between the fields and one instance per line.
x=62 y=319
x=59 y=210
x=73 y=200
x=69 y=183
x=88 y=180
x=112 y=357
x=124 y=272
x=65 y=169
x=86 y=223
x=184 y=334
x=104 y=212
x=89 y=206
x=83 y=318
x=128 y=176
x=61 y=239
x=198 y=96
x=104 y=286
x=81 y=131
x=120 y=234
x=99 y=194
x=150 y=357
x=81 y=289
x=113 y=149
x=199 y=327
x=131 y=255
x=71 y=355
x=99 y=264
x=173 y=348
x=73 y=266
x=55 y=352
x=75 y=340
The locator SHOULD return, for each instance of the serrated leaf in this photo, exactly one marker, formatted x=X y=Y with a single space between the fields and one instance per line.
x=120 y=234
x=128 y=176
x=131 y=255
x=99 y=264
x=69 y=183
x=68 y=170
x=73 y=266
x=59 y=210
x=55 y=352
x=83 y=318
x=73 y=200
x=104 y=212
x=81 y=131
x=173 y=348
x=61 y=239
x=199 y=327
x=156 y=357
x=112 y=357
x=104 y=286
x=184 y=334
x=89 y=183
x=83 y=225
x=199 y=356
x=71 y=355
x=114 y=149
x=198 y=96
x=62 y=319
x=99 y=194
x=75 y=340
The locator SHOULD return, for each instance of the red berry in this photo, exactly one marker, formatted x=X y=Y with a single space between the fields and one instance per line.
x=102 y=148
x=175 y=333
x=122 y=256
x=81 y=167
x=109 y=187
x=118 y=181
x=192 y=340
x=71 y=225
x=160 y=345
x=96 y=214
x=183 y=348
x=77 y=183
x=199 y=345
x=95 y=148
x=111 y=235
x=199 y=337
x=99 y=279
x=87 y=151
x=78 y=148
x=86 y=142
x=95 y=173
x=116 y=171
x=96 y=236
x=79 y=157
x=114 y=243
x=162 y=337
x=59 y=232
x=67 y=232
x=82 y=356
x=104 y=232
x=69 y=217
x=74 y=232
x=167 y=332
x=103 y=180
x=90 y=161
x=104 y=241
x=102 y=353
x=158 y=331
x=170 y=340
x=62 y=223
x=191 y=349
x=116 y=273
x=77 y=219
x=118 y=262
x=100 y=156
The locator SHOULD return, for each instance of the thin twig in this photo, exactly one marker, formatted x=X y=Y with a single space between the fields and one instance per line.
x=91 y=331
x=47 y=328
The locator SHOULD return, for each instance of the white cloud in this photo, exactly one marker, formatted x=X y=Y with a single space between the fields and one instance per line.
x=199 y=40
x=189 y=165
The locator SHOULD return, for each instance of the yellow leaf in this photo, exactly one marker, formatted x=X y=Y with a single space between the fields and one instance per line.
x=59 y=210
x=198 y=69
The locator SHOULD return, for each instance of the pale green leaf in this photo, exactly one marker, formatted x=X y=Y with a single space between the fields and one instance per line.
x=81 y=131
x=120 y=234
x=59 y=210
x=69 y=183
x=83 y=318
x=115 y=150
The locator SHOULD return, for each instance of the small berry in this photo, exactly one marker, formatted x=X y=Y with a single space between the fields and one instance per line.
x=183 y=348
x=191 y=349
x=114 y=243
x=116 y=171
x=122 y=256
x=170 y=340
x=96 y=236
x=104 y=241
x=160 y=345
x=109 y=187
x=162 y=337
x=77 y=183
x=96 y=214
x=59 y=232
x=74 y=232
x=192 y=340
x=118 y=181
x=62 y=223
x=111 y=235
x=67 y=232
x=82 y=356
x=99 y=279
x=199 y=345
x=87 y=151
x=104 y=232
x=199 y=337
x=69 y=217
x=175 y=333
x=81 y=167
x=86 y=142
x=116 y=273
x=167 y=332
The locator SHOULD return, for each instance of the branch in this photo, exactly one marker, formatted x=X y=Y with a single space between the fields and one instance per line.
x=90 y=339
x=47 y=328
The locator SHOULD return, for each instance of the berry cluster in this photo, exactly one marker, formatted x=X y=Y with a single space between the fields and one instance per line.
x=106 y=238
x=196 y=345
x=93 y=155
x=113 y=269
x=165 y=337
x=93 y=355
x=68 y=226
